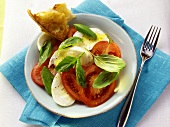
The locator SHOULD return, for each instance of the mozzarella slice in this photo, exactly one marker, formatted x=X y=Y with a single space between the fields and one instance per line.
x=53 y=58
x=75 y=51
x=88 y=43
x=59 y=94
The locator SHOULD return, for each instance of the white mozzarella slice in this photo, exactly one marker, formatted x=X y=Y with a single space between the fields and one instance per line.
x=53 y=58
x=75 y=51
x=59 y=94
x=88 y=43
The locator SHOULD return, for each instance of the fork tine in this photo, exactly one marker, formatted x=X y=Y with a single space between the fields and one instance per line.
x=154 y=46
x=146 y=38
x=151 y=42
x=151 y=36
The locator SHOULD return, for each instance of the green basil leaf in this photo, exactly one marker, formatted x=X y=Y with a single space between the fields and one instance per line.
x=67 y=63
x=47 y=79
x=110 y=39
x=70 y=42
x=109 y=63
x=104 y=79
x=85 y=30
x=45 y=52
x=80 y=74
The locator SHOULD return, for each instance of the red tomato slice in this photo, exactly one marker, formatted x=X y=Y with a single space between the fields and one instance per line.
x=70 y=83
x=36 y=73
x=55 y=45
x=103 y=47
x=71 y=31
x=91 y=96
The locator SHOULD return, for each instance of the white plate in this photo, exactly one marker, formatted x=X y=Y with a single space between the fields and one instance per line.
x=125 y=80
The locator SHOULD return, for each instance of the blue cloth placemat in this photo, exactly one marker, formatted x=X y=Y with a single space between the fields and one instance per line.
x=154 y=78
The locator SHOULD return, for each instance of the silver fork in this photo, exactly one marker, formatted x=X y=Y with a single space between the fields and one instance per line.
x=147 y=51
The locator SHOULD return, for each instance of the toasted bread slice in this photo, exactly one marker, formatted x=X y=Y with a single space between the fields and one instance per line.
x=55 y=21
x=62 y=8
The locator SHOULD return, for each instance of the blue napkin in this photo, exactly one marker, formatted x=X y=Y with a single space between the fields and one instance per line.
x=154 y=78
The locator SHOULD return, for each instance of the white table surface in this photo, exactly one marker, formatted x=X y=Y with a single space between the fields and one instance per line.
x=20 y=30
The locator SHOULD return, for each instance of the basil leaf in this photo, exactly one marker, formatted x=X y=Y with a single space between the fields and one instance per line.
x=80 y=74
x=104 y=79
x=47 y=79
x=110 y=39
x=45 y=52
x=67 y=63
x=70 y=42
x=109 y=63
x=85 y=30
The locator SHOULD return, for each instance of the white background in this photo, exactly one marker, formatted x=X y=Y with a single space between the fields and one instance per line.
x=20 y=30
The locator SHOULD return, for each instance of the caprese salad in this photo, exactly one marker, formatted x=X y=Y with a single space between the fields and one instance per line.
x=84 y=67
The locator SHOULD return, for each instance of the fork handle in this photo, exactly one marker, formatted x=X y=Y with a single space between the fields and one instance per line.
x=128 y=103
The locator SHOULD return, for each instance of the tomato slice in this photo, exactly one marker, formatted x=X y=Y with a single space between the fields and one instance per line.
x=91 y=96
x=103 y=47
x=55 y=45
x=36 y=73
x=70 y=83
x=71 y=31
